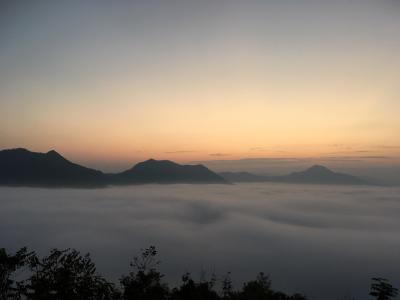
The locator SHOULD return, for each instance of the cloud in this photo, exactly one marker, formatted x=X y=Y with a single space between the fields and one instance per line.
x=351 y=152
x=387 y=146
x=357 y=158
x=304 y=236
x=258 y=149
x=219 y=154
x=180 y=151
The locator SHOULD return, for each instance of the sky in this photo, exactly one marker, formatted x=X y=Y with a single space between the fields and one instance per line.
x=108 y=83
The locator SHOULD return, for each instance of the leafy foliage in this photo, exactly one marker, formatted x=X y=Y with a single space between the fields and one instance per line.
x=145 y=281
x=258 y=289
x=227 y=286
x=194 y=290
x=381 y=289
x=68 y=275
x=9 y=264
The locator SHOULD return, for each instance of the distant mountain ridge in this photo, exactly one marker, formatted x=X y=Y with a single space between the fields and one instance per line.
x=165 y=171
x=316 y=174
x=321 y=174
x=23 y=167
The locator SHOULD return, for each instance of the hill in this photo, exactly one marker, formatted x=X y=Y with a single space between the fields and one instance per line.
x=23 y=167
x=165 y=171
x=26 y=168
x=316 y=175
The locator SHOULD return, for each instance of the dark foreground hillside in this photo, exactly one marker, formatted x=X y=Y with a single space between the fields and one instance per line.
x=66 y=274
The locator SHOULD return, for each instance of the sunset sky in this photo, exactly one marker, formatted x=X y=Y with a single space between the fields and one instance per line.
x=122 y=81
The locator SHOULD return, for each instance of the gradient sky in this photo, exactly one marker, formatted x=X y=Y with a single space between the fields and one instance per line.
x=121 y=81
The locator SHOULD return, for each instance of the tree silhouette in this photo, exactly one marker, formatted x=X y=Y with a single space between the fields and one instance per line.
x=259 y=289
x=65 y=274
x=381 y=289
x=145 y=281
x=68 y=275
x=9 y=264
x=227 y=287
x=195 y=290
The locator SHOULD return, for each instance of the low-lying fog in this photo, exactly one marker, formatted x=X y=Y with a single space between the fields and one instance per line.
x=325 y=241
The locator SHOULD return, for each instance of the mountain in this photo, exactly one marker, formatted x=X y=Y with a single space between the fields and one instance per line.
x=26 y=168
x=321 y=174
x=316 y=174
x=165 y=171
x=23 y=167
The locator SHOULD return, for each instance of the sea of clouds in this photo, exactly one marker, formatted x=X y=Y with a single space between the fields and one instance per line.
x=324 y=241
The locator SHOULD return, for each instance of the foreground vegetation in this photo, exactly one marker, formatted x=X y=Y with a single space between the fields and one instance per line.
x=66 y=274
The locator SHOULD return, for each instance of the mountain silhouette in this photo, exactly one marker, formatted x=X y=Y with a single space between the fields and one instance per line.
x=26 y=168
x=321 y=174
x=165 y=171
x=23 y=167
x=316 y=174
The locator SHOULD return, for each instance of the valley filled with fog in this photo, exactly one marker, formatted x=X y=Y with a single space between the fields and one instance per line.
x=324 y=241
